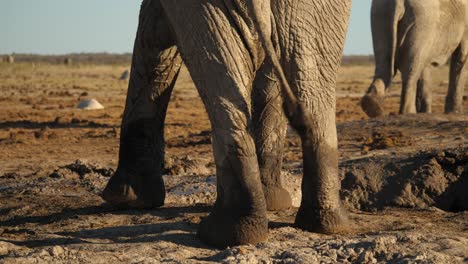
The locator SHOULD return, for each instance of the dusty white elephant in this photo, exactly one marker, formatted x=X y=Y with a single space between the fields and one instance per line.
x=223 y=48
x=413 y=36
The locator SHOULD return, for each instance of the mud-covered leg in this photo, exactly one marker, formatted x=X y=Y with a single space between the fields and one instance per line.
x=222 y=66
x=155 y=66
x=458 y=73
x=311 y=65
x=321 y=209
x=424 y=94
x=270 y=132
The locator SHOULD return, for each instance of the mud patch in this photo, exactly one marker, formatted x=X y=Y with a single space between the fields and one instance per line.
x=386 y=139
x=422 y=181
x=81 y=169
x=187 y=165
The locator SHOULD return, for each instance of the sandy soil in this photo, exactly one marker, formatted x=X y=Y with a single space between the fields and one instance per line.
x=404 y=178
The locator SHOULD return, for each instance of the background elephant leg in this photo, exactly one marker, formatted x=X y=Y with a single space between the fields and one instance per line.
x=155 y=65
x=270 y=132
x=458 y=73
x=424 y=93
x=408 y=94
x=411 y=69
x=414 y=58
x=222 y=68
x=373 y=101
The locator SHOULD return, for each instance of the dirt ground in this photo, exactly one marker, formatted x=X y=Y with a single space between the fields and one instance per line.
x=404 y=178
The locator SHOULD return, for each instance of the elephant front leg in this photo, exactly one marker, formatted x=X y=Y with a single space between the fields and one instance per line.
x=458 y=74
x=424 y=94
x=156 y=63
x=270 y=131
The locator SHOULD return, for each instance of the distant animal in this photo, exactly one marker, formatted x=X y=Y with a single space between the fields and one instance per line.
x=10 y=59
x=413 y=36
x=231 y=49
x=68 y=61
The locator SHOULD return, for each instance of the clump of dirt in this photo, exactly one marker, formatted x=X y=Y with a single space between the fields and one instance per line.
x=425 y=180
x=111 y=133
x=13 y=138
x=386 y=139
x=45 y=133
x=81 y=169
x=185 y=165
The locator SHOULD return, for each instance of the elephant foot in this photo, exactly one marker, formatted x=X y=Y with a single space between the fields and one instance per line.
x=224 y=229
x=424 y=110
x=372 y=105
x=451 y=111
x=322 y=220
x=133 y=191
x=277 y=198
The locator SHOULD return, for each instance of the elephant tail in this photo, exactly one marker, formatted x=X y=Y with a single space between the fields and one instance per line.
x=295 y=110
x=385 y=16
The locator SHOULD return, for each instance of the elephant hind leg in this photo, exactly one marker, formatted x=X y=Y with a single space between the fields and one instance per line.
x=156 y=63
x=222 y=67
x=424 y=94
x=270 y=131
x=311 y=64
x=454 y=99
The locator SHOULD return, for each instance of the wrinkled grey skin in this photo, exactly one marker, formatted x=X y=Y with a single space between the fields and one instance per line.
x=413 y=36
x=222 y=44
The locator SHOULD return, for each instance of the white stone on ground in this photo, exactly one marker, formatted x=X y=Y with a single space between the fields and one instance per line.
x=90 y=104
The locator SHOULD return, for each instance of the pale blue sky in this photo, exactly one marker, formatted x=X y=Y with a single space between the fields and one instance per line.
x=69 y=26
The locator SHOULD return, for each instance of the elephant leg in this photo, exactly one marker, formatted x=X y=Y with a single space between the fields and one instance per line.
x=311 y=63
x=270 y=132
x=411 y=67
x=222 y=68
x=458 y=73
x=424 y=94
x=155 y=65
x=373 y=101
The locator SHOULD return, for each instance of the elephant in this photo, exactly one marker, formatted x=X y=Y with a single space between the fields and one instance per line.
x=248 y=59
x=413 y=36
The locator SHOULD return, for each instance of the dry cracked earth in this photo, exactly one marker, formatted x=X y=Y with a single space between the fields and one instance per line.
x=404 y=178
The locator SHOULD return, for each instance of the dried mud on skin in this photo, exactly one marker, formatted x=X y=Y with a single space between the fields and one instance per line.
x=401 y=178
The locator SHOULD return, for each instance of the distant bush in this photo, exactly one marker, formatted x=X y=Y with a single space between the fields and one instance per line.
x=126 y=58
x=357 y=60
x=76 y=58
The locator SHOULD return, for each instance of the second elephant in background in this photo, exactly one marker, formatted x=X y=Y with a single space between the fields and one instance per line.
x=412 y=36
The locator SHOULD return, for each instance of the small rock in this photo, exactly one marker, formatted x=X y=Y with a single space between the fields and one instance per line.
x=55 y=175
x=43 y=253
x=57 y=251
x=90 y=104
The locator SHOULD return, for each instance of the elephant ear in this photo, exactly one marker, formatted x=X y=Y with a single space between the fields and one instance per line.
x=295 y=111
